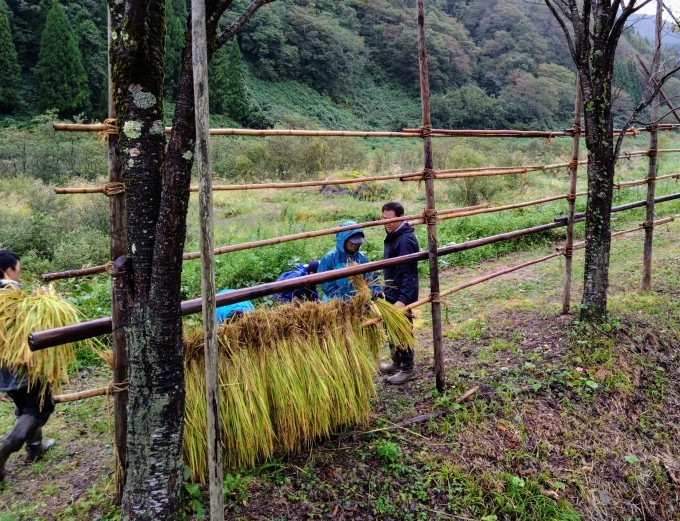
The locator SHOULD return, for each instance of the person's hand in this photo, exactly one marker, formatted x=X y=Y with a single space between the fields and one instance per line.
x=376 y=294
x=399 y=304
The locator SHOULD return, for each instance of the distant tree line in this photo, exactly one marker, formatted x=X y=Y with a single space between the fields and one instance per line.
x=492 y=64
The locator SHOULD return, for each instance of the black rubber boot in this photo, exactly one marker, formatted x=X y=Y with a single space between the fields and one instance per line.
x=407 y=372
x=394 y=366
x=23 y=429
x=36 y=446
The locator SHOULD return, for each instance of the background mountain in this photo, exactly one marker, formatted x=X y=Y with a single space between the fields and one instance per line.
x=337 y=64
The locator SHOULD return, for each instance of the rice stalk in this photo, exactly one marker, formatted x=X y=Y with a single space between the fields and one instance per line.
x=22 y=314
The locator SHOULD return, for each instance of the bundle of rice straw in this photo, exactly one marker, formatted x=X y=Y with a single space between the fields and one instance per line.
x=21 y=314
x=288 y=376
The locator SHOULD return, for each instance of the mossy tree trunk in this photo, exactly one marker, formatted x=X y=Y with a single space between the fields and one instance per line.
x=592 y=30
x=157 y=197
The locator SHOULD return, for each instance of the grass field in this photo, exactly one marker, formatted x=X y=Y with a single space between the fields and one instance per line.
x=570 y=421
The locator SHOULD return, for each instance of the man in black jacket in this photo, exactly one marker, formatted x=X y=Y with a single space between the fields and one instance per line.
x=401 y=287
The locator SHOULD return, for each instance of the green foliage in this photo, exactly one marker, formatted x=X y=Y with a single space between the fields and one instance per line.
x=176 y=19
x=9 y=65
x=228 y=93
x=61 y=78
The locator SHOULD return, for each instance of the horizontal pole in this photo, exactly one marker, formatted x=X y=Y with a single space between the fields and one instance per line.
x=415 y=219
x=82 y=395
x=405 y=133
x=628 y=206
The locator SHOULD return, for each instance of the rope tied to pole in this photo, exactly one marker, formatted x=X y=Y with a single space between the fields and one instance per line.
x=576 y=129
x=425 y=131
x=568 y=250
x=647 y=225
x=549 y=138
x=114 y=188
x=652 y=152
x=435 y=298
x=573 y=164
x=635 y=131
x=428 y=173
x=111 y=269
x=430 y=216
x=571 y=197
x=111 y=128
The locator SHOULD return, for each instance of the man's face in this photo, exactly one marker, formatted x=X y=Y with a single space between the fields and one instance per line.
x=351 y=248
x=13 y=273
x=390 y=227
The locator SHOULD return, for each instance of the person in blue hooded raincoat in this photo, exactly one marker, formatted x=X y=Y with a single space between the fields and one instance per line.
x=345 y=253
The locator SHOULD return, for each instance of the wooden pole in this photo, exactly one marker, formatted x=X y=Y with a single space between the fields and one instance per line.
x=653 y=164
x=571 y=201
x=118 y=247
x=201 y=102
x=430 y=211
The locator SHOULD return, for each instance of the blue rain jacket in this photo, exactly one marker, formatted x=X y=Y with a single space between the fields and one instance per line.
x=304 y=293
x=340 y=258
x=222 y=313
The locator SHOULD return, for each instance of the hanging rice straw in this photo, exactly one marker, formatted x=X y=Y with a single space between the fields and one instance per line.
x=21 y=314
x=288 y=376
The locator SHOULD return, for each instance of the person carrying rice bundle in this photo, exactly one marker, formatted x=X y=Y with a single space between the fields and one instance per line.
x=34 y=403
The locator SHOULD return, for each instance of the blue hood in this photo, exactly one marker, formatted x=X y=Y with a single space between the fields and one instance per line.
x=341 y=237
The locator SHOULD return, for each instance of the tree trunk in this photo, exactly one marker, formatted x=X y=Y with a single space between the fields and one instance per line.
x=155 y=241
x=596 y=82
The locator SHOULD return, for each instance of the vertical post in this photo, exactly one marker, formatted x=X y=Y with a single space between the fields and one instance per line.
x=652 y=153
x=573 y=172
x=117 y=248
x=430 y=211
x=200 y=69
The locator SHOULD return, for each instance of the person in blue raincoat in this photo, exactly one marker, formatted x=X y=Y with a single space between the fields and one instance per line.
x=345 y=253
x=300 y=294
x=232 y=312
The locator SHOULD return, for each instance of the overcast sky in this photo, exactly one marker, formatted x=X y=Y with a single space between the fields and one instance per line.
x=673 y=5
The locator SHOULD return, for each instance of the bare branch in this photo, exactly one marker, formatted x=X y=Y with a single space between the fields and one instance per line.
x=240 y=21
x=570 y=43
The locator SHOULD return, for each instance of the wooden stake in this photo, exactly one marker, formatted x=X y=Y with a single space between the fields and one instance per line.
x=653 y=165
x=430 y=209
x=201 y=102
x=571 y=202
x=117 y=248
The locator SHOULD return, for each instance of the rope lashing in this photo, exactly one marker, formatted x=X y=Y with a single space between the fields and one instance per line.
x=568 y=250
x=549 y=138
x=573 y=164
x=434 y=297
x=647 y=225
x=428 y=173
x=429 y=216
x=425 y=131
x=635 y=131
x=576 y=129
x=114 y=188
x=570 y=197
x=110 y=268
x=111 y=128
x=651 y=152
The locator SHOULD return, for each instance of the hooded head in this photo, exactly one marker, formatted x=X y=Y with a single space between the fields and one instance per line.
x=356 y=236
x=312 y=266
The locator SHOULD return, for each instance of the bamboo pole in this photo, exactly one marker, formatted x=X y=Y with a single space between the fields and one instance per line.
x=90 y=393
x=405 y=133
x=628 y=206
x=653 y=164
x=199 y=54
x=640 y=182
x=117 y=247
x=571 y=201
x=430 y=211
x=414 y=219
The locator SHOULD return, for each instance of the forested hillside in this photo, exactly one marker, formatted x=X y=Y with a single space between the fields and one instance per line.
x=326 y=63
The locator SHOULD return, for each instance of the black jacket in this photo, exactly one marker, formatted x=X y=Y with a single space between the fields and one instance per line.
x=401 y=282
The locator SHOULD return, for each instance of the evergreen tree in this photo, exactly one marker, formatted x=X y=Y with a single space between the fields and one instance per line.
x=174 y=44
x=9 y=64
x=228 y=93
x=61 y=78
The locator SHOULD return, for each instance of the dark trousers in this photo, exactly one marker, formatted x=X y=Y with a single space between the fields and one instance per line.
x=403 y=355
x=28 y=402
